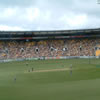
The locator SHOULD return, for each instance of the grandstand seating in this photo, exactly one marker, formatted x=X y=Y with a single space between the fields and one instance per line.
x=49 y=48
x=97 y=50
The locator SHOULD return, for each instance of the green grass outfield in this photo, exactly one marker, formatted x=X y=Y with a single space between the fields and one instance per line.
x=83 y=84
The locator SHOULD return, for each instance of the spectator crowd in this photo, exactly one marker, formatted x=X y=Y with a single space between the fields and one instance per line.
x=48 y=48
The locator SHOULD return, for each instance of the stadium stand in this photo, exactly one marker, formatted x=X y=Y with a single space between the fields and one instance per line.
x=97 y=50
x=25 y=46
x=48 y=48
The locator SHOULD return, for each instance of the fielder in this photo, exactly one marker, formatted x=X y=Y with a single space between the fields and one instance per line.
x=71 y=69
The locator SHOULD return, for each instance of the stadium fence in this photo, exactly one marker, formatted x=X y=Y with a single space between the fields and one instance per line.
x=47 y=58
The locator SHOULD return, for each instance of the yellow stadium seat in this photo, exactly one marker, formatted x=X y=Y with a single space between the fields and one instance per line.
x=97 y=52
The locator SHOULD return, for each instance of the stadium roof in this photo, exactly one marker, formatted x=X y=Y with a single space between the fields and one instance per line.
x=54 y=34
x=52 y=31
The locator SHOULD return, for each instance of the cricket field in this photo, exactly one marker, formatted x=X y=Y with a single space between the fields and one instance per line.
x=50 y=80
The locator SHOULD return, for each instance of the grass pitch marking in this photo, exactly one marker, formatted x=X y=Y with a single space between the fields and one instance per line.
x=49 y=70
